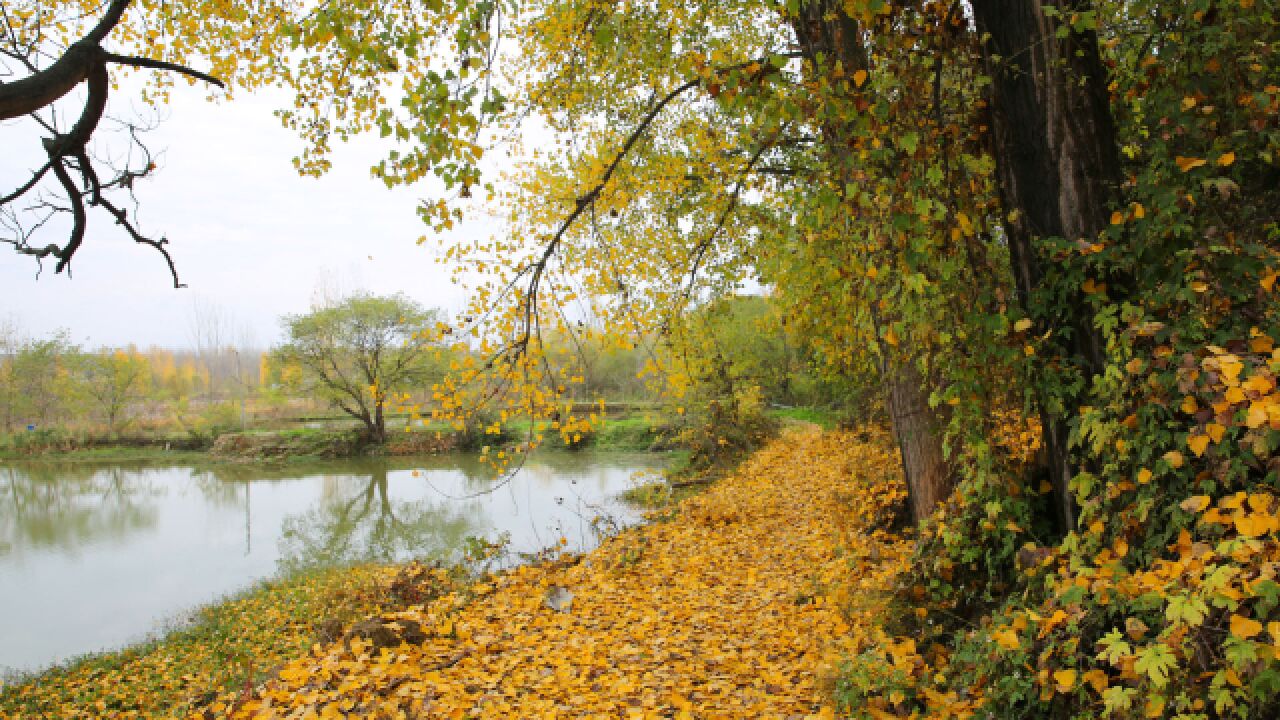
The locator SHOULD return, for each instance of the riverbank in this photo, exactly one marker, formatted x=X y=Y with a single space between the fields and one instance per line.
x=734 y=605
x=737 y=606
x=627 y=433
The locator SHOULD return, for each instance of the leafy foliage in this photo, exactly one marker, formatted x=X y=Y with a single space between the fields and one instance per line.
x=360 y=352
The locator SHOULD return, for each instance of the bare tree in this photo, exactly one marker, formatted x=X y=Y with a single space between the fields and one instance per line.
x=70 y=183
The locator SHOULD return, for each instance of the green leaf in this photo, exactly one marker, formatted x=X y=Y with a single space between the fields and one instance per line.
x=1155 y=661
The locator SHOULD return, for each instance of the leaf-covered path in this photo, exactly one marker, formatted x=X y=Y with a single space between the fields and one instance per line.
x=731 y=609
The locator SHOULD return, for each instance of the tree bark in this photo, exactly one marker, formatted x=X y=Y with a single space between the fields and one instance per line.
x=1054 y=141
x=379 y=429
x=918 y=429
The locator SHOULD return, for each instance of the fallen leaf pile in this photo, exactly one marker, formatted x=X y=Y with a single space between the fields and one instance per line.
x=733 y=608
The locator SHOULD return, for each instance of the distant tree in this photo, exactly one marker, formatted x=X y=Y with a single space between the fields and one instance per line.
x=113 y=380
x=359 y=351
x=10 y=341
x=38 y=381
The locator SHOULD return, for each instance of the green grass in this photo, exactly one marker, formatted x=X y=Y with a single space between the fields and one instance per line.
x=630 y=433
x=825 y=419
x=659 y=495
x=112 y=453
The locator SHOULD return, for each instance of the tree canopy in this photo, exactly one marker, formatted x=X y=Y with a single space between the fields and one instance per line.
x=360 y=352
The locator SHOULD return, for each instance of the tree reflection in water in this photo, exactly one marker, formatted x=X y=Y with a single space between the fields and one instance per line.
x=68 y=506
x=357 y=520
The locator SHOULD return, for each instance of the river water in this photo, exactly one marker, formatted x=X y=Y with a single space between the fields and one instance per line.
x=96 y=556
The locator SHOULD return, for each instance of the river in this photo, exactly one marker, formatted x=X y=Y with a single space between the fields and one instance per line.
x=96 y=556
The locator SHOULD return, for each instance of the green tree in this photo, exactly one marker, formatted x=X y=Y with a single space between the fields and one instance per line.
x=360 y=352
x=39 y=381
x=113 y=380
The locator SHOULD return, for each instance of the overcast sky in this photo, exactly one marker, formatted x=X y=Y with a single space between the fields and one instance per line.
x=248 y=234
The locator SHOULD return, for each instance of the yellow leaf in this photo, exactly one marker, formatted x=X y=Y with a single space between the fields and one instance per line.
x=1244 y=628
x=1235 y=395
x=1066 y=679
x=1230 y=369
x=1198 y=444
x=1226 y=159
x=1255 y=524
x=1006 y=638
x=1139 y=212
x=1195 y=503
x=1174 y=458
x=860 y=78
x=1189 y=405
x=1186 y=164
x=891 y=337
x=1098 y=679
x=1261 y=343
x=1260 y=384
x=1215 y=431
x=1022 y=325
x=1257 y=416
x=1144 y=476
x=1117 y=218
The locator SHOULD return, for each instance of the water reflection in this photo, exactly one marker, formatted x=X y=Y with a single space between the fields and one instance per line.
x=358 y=520
x=93 y=556
x=65 y=507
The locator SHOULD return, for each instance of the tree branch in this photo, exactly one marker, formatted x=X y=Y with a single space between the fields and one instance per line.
x=142 y=62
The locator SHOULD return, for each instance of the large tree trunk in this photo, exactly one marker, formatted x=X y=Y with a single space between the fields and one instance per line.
x=1054 y=141
x=825 y=30
x=918 y=429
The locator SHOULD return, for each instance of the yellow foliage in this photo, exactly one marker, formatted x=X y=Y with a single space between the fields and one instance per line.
x=729 y=610
x=1244 y=628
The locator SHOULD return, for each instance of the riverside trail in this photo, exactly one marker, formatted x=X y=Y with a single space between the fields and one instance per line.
x=736 y=605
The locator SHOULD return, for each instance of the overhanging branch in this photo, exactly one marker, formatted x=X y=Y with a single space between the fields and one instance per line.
x=85 y=61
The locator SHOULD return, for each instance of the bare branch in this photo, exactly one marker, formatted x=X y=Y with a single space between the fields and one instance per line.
x=84 y=61
x=41 y=89
x=35 y=180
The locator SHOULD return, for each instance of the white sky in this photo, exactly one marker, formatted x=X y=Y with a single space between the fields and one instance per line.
x=248 y=235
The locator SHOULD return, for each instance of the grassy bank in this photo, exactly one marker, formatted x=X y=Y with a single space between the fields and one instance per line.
x=626 y=433
x=121 y=454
